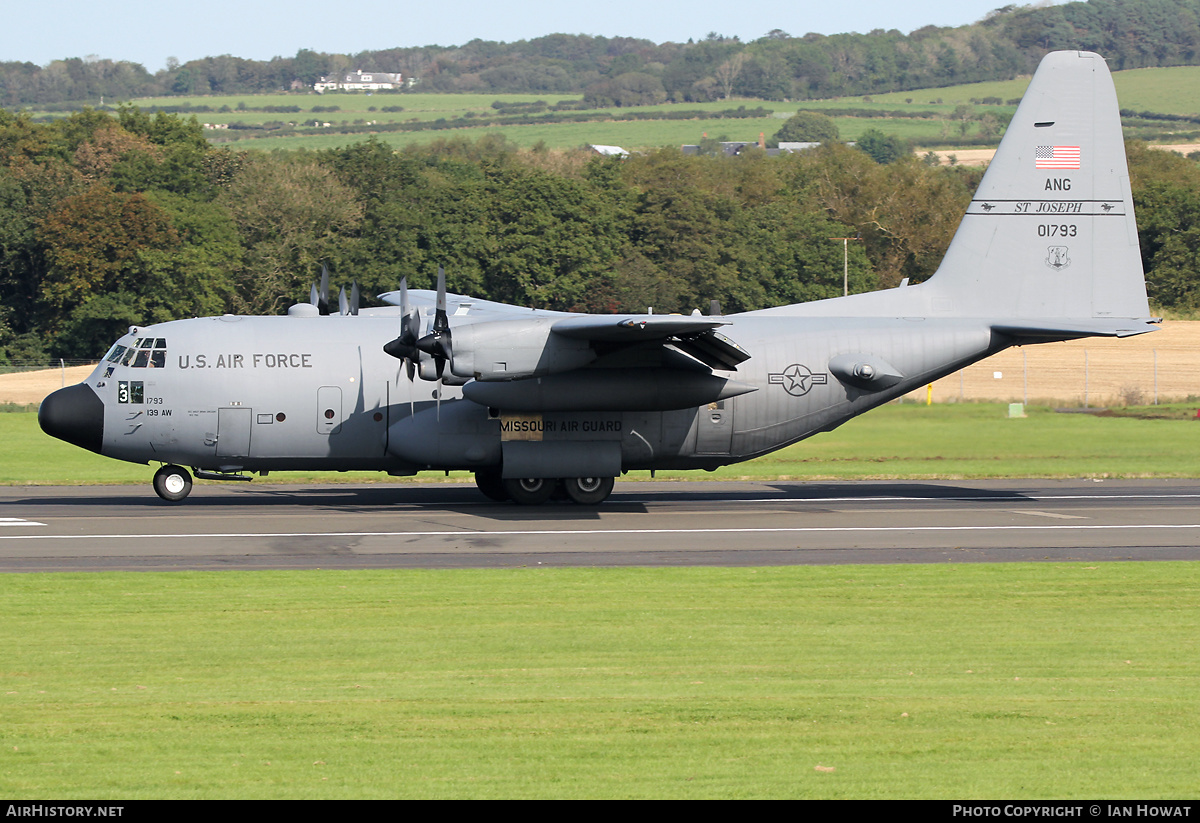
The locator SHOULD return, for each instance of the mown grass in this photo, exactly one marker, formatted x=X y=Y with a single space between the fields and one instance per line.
x=629 y=134
x=951 y=441
x=963 y=681
x=1170 y=90
x=1173 y=90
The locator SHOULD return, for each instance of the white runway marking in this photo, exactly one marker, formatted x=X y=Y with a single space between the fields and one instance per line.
x=1049 y=514
x=16 y=521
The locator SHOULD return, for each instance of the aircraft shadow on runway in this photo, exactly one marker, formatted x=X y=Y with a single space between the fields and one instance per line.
x=629 y=498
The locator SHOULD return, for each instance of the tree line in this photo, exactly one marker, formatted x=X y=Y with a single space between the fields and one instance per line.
x=627 y=71
x=107 y=222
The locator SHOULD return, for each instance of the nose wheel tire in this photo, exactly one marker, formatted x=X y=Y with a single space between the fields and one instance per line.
x=588 y=491
x=530 y=491
x=172 y=483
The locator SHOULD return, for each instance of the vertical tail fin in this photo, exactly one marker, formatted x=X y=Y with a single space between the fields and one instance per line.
x=1051 y=230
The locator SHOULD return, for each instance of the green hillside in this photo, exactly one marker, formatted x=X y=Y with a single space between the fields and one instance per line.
x=925 y=116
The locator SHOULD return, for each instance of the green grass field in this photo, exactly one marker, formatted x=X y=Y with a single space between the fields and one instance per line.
x=970 y=440
x=951 y=681
x=629 y=134
x=937 y=681
x=1171 y=90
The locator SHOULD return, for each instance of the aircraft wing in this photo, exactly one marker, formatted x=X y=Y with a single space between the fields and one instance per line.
x=694 y=335
x=493 y=329
x=459 y=305
x=633 y=328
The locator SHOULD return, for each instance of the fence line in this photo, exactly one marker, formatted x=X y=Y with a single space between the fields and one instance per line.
x=17 y=366
x=1095 y=372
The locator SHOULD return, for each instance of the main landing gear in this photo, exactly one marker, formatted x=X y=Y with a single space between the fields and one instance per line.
x=172 y=483
x=533 y=491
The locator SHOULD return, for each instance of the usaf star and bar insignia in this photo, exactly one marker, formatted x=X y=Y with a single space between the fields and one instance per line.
x=797 y=380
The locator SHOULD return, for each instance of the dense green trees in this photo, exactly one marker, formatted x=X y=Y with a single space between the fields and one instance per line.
x=807 y=127
x=883 y=148
x=628 y=71
x=1166 y=194
x=109 y=222
x=104 y=223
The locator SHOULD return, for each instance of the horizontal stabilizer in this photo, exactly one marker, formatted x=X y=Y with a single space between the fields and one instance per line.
x=1072 y=329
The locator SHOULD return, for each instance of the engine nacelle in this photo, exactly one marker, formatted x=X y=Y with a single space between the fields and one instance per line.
x=516 y=349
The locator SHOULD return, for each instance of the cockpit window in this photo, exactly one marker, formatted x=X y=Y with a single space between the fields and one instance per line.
x=149 y=352
x=114 y=354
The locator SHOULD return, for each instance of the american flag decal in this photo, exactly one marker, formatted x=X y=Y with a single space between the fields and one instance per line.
x=1056 y=157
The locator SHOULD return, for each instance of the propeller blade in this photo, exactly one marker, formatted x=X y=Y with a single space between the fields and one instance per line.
x=323 y=294
x=410 y=320
x=313 y=297
x=440 y=317
x=354 y=297
x=438 y=344
x=404 y=347
x=714 y=308
x=343 y=302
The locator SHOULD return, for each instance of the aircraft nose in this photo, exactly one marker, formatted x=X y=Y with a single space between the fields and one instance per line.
x=74 y=414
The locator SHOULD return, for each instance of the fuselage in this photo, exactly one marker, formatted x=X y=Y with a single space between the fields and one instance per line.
x=234 y=394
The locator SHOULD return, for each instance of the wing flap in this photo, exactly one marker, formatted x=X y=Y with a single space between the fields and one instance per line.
x=714 y=350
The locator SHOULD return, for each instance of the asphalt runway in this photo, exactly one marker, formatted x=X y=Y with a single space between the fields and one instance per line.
x=263 y=526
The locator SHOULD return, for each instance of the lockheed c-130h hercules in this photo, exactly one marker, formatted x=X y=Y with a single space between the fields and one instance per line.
x=533 y=400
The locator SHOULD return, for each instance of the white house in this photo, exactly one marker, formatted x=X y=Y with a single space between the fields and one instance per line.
x=360 y=81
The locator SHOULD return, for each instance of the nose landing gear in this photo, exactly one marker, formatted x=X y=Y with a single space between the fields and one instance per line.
x=172 y=483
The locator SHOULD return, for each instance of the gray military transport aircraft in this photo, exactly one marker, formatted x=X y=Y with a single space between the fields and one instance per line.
x=531 y=400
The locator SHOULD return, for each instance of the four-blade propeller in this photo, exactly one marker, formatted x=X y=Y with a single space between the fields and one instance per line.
x=438 y=344
x=404 y=347
x=320 y=297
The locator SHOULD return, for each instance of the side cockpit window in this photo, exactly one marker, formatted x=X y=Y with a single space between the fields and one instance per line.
x=150 y=352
